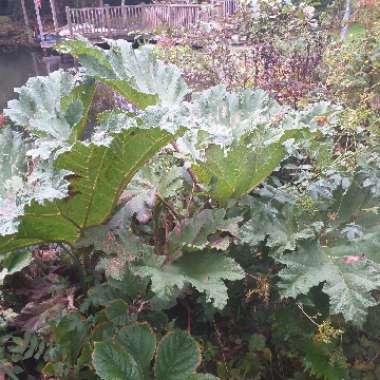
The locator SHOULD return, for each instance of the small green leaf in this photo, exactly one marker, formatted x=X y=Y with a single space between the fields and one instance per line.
x=139 y=340
x=325 y=362
x=117 y=312
x=70 y=334
x=201 y=376
x=195 y=231
x=178 y=356
x=113 y=363
x=257 y=342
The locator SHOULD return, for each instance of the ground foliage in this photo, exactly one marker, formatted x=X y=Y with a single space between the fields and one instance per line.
x=276 y=46
x=153 y=231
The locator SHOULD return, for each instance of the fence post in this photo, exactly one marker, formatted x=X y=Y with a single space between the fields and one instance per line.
x=28 y=30
x=107 y=9
x=54 y=14
x=69 y=21
x=123 y=13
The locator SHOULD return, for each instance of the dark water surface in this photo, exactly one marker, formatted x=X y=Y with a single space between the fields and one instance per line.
x=15 y=69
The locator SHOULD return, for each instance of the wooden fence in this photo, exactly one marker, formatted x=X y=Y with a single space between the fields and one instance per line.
x=120 y=20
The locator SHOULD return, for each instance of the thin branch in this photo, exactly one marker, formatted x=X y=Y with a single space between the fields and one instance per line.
x=170 y=208
x=307 y=315
x=80 y=268
x=197 y=187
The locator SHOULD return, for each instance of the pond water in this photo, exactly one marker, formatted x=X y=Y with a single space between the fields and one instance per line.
x=17 y=67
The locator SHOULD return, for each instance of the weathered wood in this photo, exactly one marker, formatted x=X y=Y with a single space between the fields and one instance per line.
x=54 y=14
x=39 y=22
x=107 y=18
x=120 y=20
x=27 y=24
x=69 y=21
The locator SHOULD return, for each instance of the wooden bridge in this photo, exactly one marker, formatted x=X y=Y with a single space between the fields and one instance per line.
x=112 y=21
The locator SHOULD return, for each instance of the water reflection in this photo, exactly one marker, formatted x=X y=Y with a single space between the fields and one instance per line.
x=17 y=67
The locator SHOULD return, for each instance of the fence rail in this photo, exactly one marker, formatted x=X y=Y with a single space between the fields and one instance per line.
x=120 y=20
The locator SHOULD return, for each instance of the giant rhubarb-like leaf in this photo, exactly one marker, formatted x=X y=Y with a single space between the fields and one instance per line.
x=345 y=255
x=239 y=139
x=53 y=109
x=203 y=270
x=135 y=73
x=99 y=174
x=24 y=185
x=348 y=282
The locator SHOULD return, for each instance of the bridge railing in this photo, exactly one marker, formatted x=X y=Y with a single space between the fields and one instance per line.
x=119 y=20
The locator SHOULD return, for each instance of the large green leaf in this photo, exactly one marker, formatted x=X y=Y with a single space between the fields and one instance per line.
x=24 y=185
x=40 y=224
x=347 y=282
x=139 y=340
x=236 y=139
x=195 y=231
x=178 y=357
x=53 y=109
x=114 y=363
x=100 y=173
x=13 y=166
x=134 y=73
x=278 y=220
x=231 y=174
x=203 y=270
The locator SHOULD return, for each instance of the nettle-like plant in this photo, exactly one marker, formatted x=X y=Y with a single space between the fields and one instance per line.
x=166 y=187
